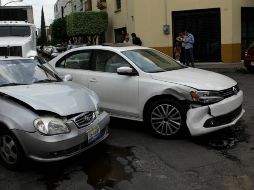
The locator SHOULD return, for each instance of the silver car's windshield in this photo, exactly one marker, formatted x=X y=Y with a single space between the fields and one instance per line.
x=152 y=61
x=23 y=72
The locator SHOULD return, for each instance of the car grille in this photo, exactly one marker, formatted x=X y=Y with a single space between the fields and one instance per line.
x=223 y=119
x=84 y=119
x=11 y=51
x=229 y=92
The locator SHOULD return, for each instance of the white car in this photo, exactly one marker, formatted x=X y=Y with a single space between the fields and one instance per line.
x=143 y=84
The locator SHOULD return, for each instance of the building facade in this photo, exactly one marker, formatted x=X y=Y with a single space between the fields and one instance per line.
x=222 y=28
x=62 y=8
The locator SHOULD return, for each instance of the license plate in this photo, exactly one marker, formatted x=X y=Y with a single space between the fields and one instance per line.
x=93 y=134
x=252 y=63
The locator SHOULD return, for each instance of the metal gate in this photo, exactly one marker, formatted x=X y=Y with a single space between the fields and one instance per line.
x=247 y=17
x=205 y=25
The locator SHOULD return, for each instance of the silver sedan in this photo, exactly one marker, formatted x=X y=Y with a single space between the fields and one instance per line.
x=43 y=117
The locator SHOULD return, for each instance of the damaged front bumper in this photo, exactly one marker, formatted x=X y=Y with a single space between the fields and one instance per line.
x=206 y=119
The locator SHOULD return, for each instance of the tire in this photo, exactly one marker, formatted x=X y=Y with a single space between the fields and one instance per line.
x=166 y=118
x=11 y=153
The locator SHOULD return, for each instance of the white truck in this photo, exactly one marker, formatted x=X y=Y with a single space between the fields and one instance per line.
x=17 y=31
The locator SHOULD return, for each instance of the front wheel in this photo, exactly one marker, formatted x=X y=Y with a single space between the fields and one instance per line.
x=11 y=153
x=166 y=118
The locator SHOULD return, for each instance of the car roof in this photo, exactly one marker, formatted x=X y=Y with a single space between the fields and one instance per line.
x=114 y=47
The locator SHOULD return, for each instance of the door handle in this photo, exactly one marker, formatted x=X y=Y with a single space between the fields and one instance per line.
x=92 y=80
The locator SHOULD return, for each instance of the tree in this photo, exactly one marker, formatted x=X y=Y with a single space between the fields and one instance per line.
x=59 y=33
x=43 y=38
x=89 y=25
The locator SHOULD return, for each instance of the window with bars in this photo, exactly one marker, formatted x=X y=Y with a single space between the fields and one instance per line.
x=81 y=5
x=88 y=5
x=118 y=4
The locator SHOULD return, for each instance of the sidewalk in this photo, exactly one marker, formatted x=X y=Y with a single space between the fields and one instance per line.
x=220 y=66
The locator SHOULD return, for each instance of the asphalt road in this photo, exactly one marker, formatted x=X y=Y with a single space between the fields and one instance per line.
x=132 y=159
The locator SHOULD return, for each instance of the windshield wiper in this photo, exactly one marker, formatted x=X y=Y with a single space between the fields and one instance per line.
x=44 y=81
x=12 y=84
x=52 y=72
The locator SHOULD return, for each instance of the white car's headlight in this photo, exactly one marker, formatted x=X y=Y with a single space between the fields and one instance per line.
x=206 y=97
x=51 y=126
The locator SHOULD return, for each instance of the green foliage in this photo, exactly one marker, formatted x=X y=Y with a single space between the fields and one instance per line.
x=89 y=23
x=59 y=33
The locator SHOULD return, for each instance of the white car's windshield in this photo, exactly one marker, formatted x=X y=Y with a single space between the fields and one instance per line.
x=152 y=61
x=23 y=72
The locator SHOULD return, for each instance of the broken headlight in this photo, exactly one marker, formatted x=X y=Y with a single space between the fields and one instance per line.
x=206 y=97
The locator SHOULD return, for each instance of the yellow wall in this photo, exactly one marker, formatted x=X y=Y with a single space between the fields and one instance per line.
x=147 y=17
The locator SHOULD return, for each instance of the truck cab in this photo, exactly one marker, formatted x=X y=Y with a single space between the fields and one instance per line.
x=17 y=38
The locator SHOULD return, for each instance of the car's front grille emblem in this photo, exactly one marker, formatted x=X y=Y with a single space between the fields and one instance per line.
x=84 y=119
x=235 y=90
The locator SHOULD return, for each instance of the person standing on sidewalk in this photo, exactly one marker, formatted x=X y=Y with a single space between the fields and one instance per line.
x=189 y=41
x=136 y=40
x=126 y=38
x=177 y=51
x=179 y=39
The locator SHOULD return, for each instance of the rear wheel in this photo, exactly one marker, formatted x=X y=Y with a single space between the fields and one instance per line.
x=166 y=118
x=11 y=154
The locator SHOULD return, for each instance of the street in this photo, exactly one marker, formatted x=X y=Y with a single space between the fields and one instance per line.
x=132 y=159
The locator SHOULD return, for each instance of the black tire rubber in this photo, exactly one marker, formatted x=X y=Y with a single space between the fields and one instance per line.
x=183 y=131
x=19 y=150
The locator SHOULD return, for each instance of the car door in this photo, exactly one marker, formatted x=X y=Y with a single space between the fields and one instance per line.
x=118 y=93
x=77 y=64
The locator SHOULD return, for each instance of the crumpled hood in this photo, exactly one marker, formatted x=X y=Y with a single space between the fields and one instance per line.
x=196 y=78
x=63 y=98
x=13 y=41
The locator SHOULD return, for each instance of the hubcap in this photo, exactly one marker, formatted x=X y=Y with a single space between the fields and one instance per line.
x=166 y=119
x=8 y=149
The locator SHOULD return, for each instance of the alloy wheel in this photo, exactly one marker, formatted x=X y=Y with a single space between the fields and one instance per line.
x=8 y=149
x=166 y=119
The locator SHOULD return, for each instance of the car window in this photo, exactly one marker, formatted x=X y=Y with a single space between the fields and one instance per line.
x=151 y=61
x=107 y=61
x=78 y=60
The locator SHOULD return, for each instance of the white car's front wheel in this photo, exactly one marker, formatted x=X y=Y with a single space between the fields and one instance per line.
x=166 y=118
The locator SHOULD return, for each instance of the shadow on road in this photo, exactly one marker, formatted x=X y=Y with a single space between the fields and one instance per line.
x=225 y=139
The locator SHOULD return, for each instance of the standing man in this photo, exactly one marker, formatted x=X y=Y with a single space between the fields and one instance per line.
x=188 y=45
x=136 y=40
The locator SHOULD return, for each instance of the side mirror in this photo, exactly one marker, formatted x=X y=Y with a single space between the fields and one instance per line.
x=125 y=71
x=67 y=77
